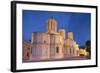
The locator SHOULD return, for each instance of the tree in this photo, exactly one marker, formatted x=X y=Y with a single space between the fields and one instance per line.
x=88 y=47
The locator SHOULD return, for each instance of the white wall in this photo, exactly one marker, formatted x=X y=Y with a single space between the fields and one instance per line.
x=5 y=37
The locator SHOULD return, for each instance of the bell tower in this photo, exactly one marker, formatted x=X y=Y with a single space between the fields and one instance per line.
x=51 y=25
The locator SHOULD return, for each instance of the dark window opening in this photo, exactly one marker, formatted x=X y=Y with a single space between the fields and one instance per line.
x=57 y=49
x=73 y=50
x=44 y=41
x=27 y=54
x=70 y=51
x=28 y=48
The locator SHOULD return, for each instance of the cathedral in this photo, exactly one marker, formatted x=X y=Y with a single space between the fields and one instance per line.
x=52 y=44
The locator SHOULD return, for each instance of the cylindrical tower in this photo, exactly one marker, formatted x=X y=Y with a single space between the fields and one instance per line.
x=51 y=25
x=70 y=35
x=62 y=32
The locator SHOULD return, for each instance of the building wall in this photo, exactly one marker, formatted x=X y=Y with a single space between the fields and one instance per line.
x=71 y=48
x=59 y=43
x=56 y=46
x=40 y=45
x=76 y=48
x=27 y=51
x=47 y=46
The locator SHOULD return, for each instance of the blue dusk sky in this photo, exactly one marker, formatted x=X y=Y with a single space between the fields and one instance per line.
x=78 y=23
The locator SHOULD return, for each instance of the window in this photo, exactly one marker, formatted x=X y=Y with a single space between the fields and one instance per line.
x=44 y=41
x=27 y=54
x=70 y=51
x=73 y=50
x=28 y=48
x=57 y=49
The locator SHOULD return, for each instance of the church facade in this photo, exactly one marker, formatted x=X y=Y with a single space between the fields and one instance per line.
x=53 y=43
